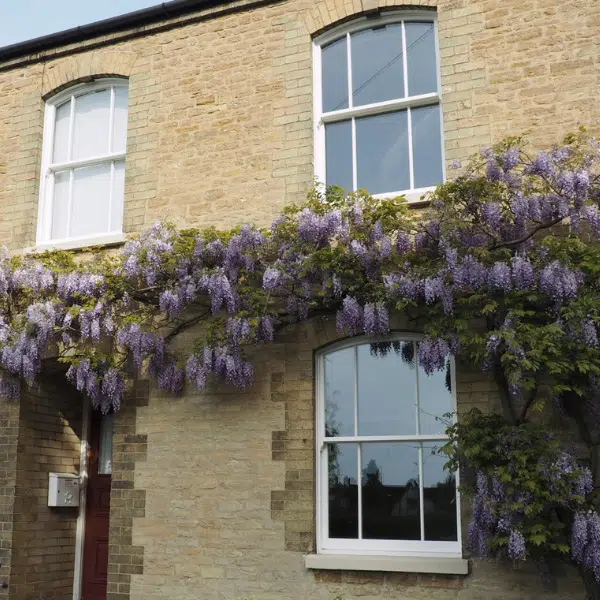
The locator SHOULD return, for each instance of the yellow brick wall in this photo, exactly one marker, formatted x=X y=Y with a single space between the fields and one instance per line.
x=220 y=132
x=220 y=124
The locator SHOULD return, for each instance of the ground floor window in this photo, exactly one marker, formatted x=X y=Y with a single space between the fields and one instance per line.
x=382 y=488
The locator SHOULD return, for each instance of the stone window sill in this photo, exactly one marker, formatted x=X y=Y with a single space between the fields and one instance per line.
x=403 y=564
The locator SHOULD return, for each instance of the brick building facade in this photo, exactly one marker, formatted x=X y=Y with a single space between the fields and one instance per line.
x=213 y=495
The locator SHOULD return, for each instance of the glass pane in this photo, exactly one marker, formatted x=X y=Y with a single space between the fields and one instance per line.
x=387 y=393
x=382 y=153
x=106 y=444
x=118 y=195
x=90 y=136
x=377 y=65
x=435 y=400
x=120 y=120
x=60 y=205
x=338 y=154
x=420 y=52
x=91 y=193
x=334 y=72
x=439 y=497
x=390 y=491
x=343 y=491
x=427 y=145
x=339 y=392
x=60 y=152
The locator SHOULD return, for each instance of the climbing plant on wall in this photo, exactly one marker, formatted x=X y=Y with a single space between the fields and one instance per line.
x=500 y=270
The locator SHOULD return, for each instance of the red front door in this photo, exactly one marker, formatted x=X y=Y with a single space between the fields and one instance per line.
x=97 y=510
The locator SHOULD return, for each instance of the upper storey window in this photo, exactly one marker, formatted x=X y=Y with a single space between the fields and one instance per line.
x=83 y=166
x=378 y=113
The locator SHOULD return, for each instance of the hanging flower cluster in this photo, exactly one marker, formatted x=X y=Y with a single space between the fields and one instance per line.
x=528 y=492
x=502 y=270
x=488 y=247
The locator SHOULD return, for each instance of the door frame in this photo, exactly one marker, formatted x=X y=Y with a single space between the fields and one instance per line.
x=86 y=419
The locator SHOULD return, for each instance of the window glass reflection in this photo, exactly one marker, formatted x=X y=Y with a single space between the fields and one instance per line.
x=339 y=393
x=377 y=65
x=387 y=392
x=439 y=497
x=343 y=490
x=390 y=491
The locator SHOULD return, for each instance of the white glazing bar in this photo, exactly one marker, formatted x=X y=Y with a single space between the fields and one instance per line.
x=111 y=194
x=87 y=162
x=411 y=169
x=71 y=129
x=354 y=160
x=359 y=486
x=355 y=392
x=404 y=61
x=418 y=398
x=421 y=493
x=70 y=201
x=111 y=119
x=377 y=108
x=349 y=439
x=349 y=60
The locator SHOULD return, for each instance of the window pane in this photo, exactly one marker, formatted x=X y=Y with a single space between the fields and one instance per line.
x=91 y=192
x=106 y=445
x=120 y=120
x=60 y=152
x=390 y=491
x=382 y=153
x=420 y=52
x=377 y=65
x=60 y=205
x=338 y=154
x=427 y=145
x=387 y=392
x=334 y=70
x=343 y=491
x=435 y=400
x=118 y=196
x=439 y=497
x=339 y=392
x=91 y=125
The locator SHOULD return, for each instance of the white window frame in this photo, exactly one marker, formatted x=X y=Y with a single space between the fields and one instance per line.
x=44 y=239
x=321 y=119
x=399 y=548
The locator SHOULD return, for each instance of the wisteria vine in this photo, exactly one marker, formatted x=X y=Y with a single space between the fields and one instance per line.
x=501 y=270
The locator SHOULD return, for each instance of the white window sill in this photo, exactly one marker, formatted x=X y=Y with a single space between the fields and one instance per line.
x=416 y=196
x=80 y=243
x=446 y=565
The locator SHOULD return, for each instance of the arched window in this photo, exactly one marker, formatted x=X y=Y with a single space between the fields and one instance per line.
x=381 y=488
x=378 y=121
x=83 y=165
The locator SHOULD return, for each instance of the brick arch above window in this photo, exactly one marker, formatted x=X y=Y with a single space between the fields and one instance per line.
x=63 y=73
x=331 y=13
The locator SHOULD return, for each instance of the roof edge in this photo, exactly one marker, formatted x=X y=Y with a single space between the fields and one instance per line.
x=145 y=16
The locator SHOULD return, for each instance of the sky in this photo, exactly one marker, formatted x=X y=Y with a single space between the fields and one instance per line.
x=22 y=20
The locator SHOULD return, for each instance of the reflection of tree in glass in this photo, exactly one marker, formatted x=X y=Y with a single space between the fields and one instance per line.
x=332 y=430
x=448 y=377
x=406 y=350
x=371 y=475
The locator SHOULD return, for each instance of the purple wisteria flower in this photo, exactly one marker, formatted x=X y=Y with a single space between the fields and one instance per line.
x=271 y=279
x=500 y=277
x=522 y=272
x=433 y=354
x=516 y=545
x=350 y=317
x=220 y=291
x=86 y=285
x=376 y=319
x=34 y=276
x=559 y=282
